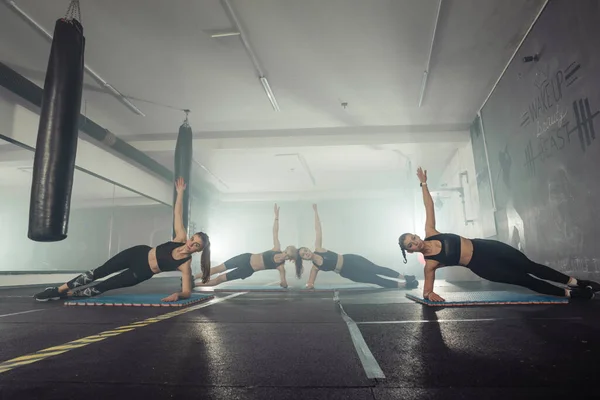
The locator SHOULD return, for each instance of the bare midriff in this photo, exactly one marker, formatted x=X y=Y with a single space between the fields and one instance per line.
x=152 y=262
x=256 y=262
x=466 y=251
x=340 y=263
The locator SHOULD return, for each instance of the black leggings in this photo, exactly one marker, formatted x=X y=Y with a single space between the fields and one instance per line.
x=499 y=262
x=240 y=265
x=359 y=269
x=134 y=262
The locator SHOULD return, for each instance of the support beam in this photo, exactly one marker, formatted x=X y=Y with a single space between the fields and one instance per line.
x=415 y=130
x=311 y=196
x=30 y=92
x=307 y=138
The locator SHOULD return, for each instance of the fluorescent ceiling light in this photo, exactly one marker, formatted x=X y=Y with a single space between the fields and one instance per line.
x=224 y=34
x=270 y=94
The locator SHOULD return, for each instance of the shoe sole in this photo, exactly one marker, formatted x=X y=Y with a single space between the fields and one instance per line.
x=48 y=299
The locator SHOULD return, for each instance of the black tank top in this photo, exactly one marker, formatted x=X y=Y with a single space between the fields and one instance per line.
x=165 y=259
x=450 y=253
x=329 y=261
x=269 y=259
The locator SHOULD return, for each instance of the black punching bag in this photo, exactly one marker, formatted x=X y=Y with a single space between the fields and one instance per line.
x=56 y=146
x=183 y=166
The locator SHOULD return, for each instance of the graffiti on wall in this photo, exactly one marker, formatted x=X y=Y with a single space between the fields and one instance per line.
x=541 y=125
x=557 y=127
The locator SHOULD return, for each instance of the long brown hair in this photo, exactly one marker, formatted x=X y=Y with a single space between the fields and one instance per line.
x=299 y=265
x=205 y=257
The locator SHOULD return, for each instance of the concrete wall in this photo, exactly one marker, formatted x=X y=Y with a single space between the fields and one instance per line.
x=540 y=126
x=95 y=234
x=451 y=216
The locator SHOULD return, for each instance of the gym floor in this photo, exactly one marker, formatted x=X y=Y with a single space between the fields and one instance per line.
x=299 y=345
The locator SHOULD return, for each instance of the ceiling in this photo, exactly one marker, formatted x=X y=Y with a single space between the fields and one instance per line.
x=316 y=54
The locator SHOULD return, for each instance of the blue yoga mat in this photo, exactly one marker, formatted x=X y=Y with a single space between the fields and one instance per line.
x=256 y=288
x=457 y=299
x=138 y=300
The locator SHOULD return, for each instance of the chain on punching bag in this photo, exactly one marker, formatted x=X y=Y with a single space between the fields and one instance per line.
x=56 y=146
x=183 y=166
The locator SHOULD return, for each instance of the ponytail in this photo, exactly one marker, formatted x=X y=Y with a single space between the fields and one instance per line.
x=299 y=265
x=205 y=257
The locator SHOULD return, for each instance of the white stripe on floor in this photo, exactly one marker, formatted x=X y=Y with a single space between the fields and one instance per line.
x=423 y=321
x=369 y=363
x=216 y=300
x=204 y=289
x=18 y=313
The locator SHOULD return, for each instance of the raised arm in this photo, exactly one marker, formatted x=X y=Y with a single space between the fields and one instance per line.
x=276 y=244
x=313 y=276
x=318 y=231
x=428 y=201
x=180 y=233
x=430 y=267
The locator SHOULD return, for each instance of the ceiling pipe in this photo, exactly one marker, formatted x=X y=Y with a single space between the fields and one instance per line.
x=426 y=72
x=514 y=54
x=40 y=29
x=244 y=38
x=307 y=169
x=221 y=181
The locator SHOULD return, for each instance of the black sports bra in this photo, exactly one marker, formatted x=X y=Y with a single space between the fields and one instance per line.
x=164 y=256
x=449 y=255
x=329 y=260
x=269 y=259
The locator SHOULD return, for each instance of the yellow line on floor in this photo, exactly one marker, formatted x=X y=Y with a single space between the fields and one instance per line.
x=35 y=357
x=40 y=355
x=65 y=347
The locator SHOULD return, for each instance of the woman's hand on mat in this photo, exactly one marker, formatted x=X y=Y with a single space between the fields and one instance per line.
x=283 y=284
x=422 y=175
x=180 y=185
x=434 y=297
x=173 y=297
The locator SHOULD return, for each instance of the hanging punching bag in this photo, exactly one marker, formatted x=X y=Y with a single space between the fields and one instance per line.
x=56 y=146
x=183 y=166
